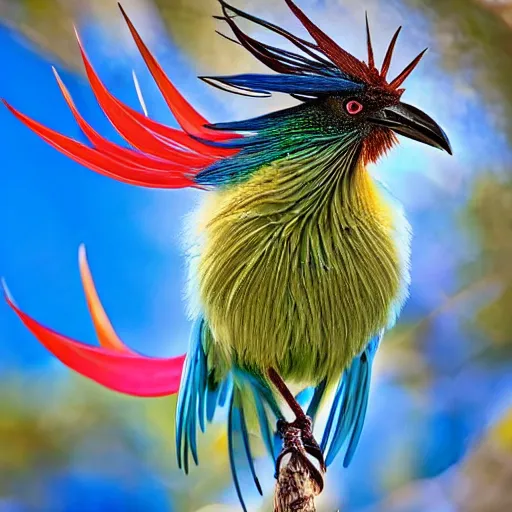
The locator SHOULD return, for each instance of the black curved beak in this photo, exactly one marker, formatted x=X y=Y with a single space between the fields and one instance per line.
x=411 y=122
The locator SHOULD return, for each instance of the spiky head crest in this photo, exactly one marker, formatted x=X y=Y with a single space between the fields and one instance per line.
x=323 y=67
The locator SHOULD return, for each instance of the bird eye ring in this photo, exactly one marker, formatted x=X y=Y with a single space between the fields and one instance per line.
x=353 y=107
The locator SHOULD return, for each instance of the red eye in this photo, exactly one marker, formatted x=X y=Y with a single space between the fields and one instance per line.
x=353 y=107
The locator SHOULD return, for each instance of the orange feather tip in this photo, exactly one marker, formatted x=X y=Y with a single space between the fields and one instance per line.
x=106 y=334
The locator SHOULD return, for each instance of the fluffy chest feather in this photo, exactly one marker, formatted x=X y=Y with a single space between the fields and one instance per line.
x=298 y=269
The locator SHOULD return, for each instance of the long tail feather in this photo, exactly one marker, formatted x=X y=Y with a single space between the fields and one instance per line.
x=107 y=336
x=112 y=365
x=175 y=177
x=188 y=118
x=172 y=155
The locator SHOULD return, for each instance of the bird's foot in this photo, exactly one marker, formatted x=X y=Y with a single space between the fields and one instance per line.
x=298 y=440
x=308 y=440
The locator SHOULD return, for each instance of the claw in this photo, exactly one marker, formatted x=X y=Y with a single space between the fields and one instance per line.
x=309 y=442
x=112 y=365
x=294 y=445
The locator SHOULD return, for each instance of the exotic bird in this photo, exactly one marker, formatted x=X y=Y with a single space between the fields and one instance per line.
x=298 y=257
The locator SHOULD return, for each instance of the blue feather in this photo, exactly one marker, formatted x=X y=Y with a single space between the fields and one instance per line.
x=247 y=447
x=348 y=411
x=312 y=85
x=199 y=398
x=197 y=401
x=316 y=400
x=202 y=386
x=192 y=423
x=224 y=390
x=334 y=416
x=266 y=431
x=305 y=397
x=360 y=417
x=232 y=416
x=184 y=394
x=211 y=403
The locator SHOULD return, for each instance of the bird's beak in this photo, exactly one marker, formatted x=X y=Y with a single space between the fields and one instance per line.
x=411 y=122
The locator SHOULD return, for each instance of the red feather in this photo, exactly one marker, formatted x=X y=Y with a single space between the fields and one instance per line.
x=130 y=156
x=190 y=120
x=112 y=365
x=166 y=157
x=142 y=133
x=343 y=59
x=176 y=175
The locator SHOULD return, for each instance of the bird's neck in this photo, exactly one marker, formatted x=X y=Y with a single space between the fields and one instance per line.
x=331 y=180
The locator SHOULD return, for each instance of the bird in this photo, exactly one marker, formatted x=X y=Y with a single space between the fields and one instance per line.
x=298 y=256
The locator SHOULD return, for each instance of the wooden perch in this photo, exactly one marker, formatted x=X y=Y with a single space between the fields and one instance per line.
x=299 y=481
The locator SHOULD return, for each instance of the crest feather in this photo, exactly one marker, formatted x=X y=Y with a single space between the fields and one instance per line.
x=319 y=68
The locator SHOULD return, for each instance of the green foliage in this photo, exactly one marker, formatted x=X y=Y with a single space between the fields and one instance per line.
x=474 y=42
x=489 y=217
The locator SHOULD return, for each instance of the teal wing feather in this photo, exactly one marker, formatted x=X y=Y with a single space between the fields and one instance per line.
x=200 y=396
x=348 y=410
x=237 y=423
x=193 y=396
x=249 y=388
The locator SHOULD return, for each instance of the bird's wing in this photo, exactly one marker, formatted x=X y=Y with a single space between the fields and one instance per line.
x=198 y=396
x=348 y=410
x=201 y=393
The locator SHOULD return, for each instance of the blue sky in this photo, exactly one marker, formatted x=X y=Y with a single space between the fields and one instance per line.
x=51 y=205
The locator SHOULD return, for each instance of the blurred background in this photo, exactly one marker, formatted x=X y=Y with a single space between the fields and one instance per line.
x=438 y=436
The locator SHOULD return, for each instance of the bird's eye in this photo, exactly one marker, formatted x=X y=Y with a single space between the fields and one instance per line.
x=353 y=107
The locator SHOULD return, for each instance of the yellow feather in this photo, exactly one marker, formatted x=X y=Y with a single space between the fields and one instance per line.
x=298 y=267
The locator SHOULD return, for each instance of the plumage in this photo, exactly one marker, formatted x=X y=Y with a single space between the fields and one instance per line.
x=298 y=231
x=298 y=258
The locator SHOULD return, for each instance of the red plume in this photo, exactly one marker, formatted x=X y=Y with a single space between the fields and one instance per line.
x=112 y=365
x=344 y=60
x=166 y=157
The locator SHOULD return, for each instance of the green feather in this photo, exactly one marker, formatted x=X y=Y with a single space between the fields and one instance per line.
x=298 y=265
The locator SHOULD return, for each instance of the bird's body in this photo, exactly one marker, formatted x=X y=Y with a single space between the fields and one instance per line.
x=299 y=259
x=299 y=266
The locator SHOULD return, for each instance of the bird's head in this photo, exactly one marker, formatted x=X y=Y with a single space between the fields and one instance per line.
x=341 y=96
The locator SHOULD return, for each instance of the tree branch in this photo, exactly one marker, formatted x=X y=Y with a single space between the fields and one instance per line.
x=299 y=481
